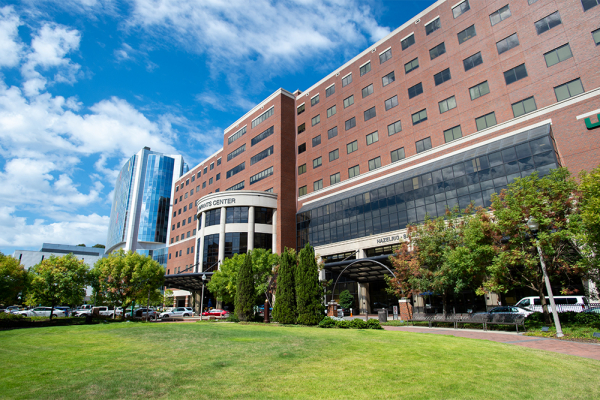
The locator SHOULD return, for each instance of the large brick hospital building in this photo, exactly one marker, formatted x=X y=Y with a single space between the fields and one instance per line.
x=447 y=109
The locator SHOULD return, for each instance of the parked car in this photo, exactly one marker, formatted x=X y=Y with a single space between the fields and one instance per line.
x=215 y=312
x=178 y=312
x=563 y=303
x=13 y=309
x=594 y=310
x=64 y=309
x=141 y=313
x=102 y=310
x=512 y=310
x=42 y=312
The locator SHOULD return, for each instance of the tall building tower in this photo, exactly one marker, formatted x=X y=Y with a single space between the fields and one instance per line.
x=140 y=214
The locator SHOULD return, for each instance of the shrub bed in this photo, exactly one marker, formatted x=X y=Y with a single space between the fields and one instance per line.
x=340 y=323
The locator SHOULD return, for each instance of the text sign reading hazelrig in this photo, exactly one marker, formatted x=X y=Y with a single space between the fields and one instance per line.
x=214 y=203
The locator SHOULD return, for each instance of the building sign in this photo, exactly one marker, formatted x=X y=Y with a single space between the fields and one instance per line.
x=215 y=203
x=389 y=239
x=589 y=125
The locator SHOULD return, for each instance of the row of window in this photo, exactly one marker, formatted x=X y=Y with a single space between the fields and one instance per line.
x=187 y=181
x=183 y=236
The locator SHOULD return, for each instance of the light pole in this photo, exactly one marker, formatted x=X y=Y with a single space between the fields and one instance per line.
x=202 y=299
x=534 y=226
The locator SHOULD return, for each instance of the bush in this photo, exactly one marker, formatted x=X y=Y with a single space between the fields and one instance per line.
x=11 y=317
x=588 y=319
x=327 y=322
x=566 y=318
x=232 y=318
x=373 y=324
x=358 y=324
x=342 y=324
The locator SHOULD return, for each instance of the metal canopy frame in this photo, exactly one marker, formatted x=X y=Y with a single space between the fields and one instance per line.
x=189 y=282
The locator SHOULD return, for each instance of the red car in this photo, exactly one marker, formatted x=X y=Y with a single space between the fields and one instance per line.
x=215 y=312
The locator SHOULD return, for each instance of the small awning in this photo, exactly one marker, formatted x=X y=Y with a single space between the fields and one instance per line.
x=189 y=282
x=362 y=270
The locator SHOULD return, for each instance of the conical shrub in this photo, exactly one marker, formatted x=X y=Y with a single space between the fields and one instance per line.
x=285 y=310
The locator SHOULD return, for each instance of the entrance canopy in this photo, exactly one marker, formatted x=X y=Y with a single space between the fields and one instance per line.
x=189 y=282
x=362 y=270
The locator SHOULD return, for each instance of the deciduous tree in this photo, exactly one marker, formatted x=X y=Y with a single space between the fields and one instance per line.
x=13 y=279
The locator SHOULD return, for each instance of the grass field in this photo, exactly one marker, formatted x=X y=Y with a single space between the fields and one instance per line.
x=218 y=360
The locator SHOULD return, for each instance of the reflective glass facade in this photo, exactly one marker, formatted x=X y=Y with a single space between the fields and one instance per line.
x=407 y=197
x=120 y=207
x=211 y=252
x=159 y=255
x=154 y=216
x=236 y=243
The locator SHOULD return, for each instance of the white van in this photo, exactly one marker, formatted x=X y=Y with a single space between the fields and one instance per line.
x=563 y=303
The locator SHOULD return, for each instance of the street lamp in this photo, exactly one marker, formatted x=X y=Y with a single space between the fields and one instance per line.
x=534 y=226
x=202 y=300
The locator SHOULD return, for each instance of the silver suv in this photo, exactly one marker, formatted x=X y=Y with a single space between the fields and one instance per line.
x=178 y=312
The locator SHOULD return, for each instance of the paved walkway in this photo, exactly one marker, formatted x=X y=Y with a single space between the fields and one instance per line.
x=587 y=350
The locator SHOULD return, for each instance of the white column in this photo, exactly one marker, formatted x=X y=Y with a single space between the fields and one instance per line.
x=251 y=219
x=222 y=236
x=360 y=254
x=364 y=302
x=274 y=244
x=200 y=234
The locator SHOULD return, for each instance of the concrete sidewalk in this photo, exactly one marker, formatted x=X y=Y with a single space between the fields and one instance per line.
x=586 y=350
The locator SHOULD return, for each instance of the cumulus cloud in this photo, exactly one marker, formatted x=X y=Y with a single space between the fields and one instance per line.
x=10 y=47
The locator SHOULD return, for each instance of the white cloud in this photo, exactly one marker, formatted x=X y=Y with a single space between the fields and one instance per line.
x=10 y=47
x=73 y=229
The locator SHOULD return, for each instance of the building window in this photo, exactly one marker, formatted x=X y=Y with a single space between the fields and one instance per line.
x=568 y=89
x=236 y=243
x=367 y=91
x=473 y=61
x=370 y=113
x=372 y=138
x=479 y=90
x=414 y=91
x=408 y=41
x=348 y=101
x=261 y=175
x=237 y=186
x=212 y=166
x=335 y=178
x=515 y=74
x=374 y=163
x=333 y=132
x=236 y=152
x=447 y=104
x=212 y=217
x=397 y=154
x=452 y=134
x=437 y=51
x=352 y=147
x=394 y=128
x=318 y=185
x=194 y=176
x=393 y=102
x=302 y=169
x=263 y=116
x=210 y=181
x=218 y=161
x=317 y=119
x=178 y=224
x=263 y=215
x=466 y=34
x=547 y=23
x=205 y=170
x=330 y=90
x=557 y=55
x=596 y=36
x=386 y=55
x=523 y=107
x=331 y=111
x=346 y=80
x=411 y=65
x=433 y=26
x=203 y=184
x=485 y=121
x=353 y=171
x=500 y=15
x=177 y=188
x=235 y=137
x=442 y=77
x=419 y=117
x=186 y=195
x=197 y=188
x=236 y=215
x=302 y=191
x=302 y=148
x=587 y=4
x=199 y=174
x=314 y=100
x=317 y=162
x=389 y=78
x=334 y=155
x=365 y=68
x=302 y=128
x=461 y=9
x=424 y=144
x=262 y=136
x=507 y=43
x=261 y=156
x=351 y=123
x=234 y=171
x=301 y=109
x=316 y=141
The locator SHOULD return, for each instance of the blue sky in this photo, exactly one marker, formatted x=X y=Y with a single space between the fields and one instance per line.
x=85 y=84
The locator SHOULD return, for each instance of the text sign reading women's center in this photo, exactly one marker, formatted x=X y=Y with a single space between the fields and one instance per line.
x=217 y=202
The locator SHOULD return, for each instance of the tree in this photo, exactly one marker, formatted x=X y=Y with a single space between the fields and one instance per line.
x=346 y=299
x=549 y=200
x=167 y=298
x=13 y=279
x=309 y=292
x=99 y=246
x=81 y=245
x=285 y=310
x=245 y=297
x=148 y=277
x=588 y=236
x=58 y=280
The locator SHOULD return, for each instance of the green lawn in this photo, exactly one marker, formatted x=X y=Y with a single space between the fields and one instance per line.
x=218 y=360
